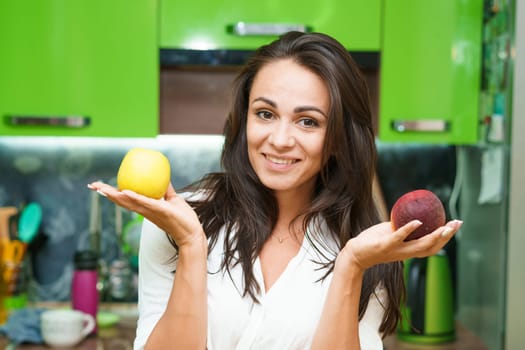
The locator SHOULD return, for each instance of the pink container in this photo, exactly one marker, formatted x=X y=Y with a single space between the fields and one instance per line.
x=84 y=293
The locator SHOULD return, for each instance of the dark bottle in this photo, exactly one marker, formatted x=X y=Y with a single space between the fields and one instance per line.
x=84 y=293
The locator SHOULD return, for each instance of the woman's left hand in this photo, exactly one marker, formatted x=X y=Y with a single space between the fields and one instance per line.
x=381 y=244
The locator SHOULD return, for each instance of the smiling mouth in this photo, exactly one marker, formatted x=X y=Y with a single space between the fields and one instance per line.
x=281 y=161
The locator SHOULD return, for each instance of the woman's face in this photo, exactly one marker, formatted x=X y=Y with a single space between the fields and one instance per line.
x=286 y=126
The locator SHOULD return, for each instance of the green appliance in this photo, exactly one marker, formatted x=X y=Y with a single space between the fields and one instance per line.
x=428 y=314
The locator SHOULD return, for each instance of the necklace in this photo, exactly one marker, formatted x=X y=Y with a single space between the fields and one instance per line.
x=282 y=239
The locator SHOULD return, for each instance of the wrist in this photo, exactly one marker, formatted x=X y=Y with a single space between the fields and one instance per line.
x=347 y=266
x=195 y=245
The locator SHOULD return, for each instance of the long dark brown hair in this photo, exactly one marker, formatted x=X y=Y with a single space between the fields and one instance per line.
x=239 y=203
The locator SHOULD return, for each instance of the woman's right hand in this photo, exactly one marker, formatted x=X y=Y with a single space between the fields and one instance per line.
x=171 y=214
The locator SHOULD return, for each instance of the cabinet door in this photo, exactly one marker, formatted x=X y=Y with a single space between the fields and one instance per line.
x=79 y=68
x=247 y=24
x=430 y=71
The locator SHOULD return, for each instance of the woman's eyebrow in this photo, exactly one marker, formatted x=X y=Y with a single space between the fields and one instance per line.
x=309 y=108
x=265 y=100
x=296 y=109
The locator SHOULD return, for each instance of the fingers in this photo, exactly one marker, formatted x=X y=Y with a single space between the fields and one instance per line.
x=404 y=231
x=432 y=243
x=446 y=232
x=137 y=202
x=170 y=192
x=126 y=198
x=427 y=245
x=451 y=228
x=103 y=189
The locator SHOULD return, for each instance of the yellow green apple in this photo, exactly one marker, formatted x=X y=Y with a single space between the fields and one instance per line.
x=144 y=171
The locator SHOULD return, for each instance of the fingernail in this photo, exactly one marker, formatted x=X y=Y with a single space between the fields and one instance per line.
x=417 y=223
x=90 y=186
x=101 y=193
x=447 y=231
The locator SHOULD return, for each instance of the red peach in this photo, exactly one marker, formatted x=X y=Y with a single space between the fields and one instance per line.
x=422 y=205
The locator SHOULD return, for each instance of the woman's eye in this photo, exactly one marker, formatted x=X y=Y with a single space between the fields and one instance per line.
x=264 y=114
x=308 y=122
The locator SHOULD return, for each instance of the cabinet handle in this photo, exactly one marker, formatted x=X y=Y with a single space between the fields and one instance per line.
x=255 y=29
x=421 y=125
x=73 y=121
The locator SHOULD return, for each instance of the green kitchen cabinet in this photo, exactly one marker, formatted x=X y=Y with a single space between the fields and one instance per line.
x=430 y=71
x=79 y=68
x=247 y=24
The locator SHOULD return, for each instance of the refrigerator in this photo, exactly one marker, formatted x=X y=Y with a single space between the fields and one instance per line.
x=490 y=189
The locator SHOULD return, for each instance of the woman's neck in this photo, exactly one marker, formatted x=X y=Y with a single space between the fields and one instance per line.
x=291 y=205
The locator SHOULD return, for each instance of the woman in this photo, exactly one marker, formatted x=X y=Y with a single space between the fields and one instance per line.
x=284 y=249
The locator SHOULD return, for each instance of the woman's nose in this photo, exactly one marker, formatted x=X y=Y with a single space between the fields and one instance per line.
x=282 y=136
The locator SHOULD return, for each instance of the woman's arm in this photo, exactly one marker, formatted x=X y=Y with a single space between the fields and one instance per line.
x=180 y=307
x=338 y=326
x=184 y=322
x=339 y=323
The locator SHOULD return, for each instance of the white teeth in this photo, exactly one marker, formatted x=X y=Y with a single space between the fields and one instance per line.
x=279 y=160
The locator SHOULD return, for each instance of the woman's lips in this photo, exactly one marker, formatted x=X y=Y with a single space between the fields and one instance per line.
x=280 y=160
x=280 y=164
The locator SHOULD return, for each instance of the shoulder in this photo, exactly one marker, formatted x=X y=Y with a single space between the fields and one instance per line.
x=322 y=240
x=196 y=196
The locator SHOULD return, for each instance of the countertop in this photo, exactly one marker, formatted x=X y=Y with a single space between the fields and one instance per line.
x=465 y=340
x=121 y=335
x=117 y=337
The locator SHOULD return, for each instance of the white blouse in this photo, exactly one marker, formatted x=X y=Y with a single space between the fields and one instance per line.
x=286 y=316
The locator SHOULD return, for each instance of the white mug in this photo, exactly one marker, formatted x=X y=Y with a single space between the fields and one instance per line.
x=63 y=328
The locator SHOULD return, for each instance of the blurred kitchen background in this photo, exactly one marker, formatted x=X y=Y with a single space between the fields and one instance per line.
x=82 y=82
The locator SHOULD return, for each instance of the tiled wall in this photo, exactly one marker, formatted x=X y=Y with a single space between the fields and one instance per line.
x=54 y=172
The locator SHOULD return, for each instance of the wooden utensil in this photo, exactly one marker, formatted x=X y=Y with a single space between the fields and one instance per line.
x=5 y=214
x=13 y=252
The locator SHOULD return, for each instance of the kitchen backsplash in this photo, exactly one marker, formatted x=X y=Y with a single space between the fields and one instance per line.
x=54 y=173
